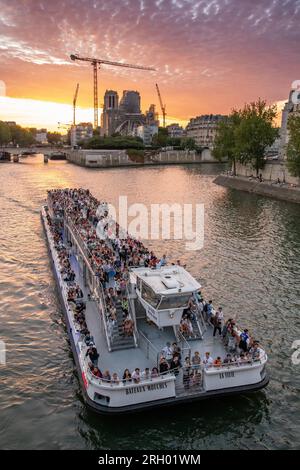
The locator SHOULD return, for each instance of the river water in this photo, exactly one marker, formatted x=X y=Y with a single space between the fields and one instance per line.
x=250 y=264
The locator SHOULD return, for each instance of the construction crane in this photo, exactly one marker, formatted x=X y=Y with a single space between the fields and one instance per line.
x=163 y=106
x=97 y=63
x=74 y=104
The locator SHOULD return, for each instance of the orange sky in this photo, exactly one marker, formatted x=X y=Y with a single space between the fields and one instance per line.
x=210 y=55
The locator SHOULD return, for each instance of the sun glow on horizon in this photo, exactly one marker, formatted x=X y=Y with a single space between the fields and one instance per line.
x=48 y=114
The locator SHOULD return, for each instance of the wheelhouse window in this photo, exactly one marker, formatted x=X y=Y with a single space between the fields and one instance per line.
x=149 y=295
x=174 y=301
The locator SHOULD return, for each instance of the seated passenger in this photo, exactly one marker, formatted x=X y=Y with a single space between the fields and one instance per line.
x=97 y=372
x=228 y=359
x=218 y=362
x=128 y=327
x=126 y=376
x=136 y=376
x=88 y=338
x=255 y=351
x=106 y=376
x=115 y=379
x=163 y=365
x=146 y=375
x=154 y=372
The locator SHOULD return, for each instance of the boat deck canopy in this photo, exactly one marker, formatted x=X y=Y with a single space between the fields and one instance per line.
x=167 y=280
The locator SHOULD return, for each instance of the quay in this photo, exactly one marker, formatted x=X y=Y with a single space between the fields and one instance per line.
x=103 y=158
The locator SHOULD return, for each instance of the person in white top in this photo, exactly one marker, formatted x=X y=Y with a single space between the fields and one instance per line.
x=136 y=376
x=167 y=352
x=146 y=374
x=208 y=360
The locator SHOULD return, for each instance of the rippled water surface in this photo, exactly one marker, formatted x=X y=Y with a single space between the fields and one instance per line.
x=250 y=265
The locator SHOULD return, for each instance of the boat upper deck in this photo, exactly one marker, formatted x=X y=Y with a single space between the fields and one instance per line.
x=112 y=318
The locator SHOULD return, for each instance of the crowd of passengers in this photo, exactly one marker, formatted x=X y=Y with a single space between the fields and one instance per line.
x=111 y=264
x=238 y=342
x=110 y=260
x=171 y=361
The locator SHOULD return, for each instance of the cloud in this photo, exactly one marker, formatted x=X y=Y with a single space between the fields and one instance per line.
x=209 y=54
x=2 y=88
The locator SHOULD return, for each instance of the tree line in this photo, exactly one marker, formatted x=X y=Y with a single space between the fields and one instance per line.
x=117 y=141
x=18 y=135
x=246 y=134
x=293 y=147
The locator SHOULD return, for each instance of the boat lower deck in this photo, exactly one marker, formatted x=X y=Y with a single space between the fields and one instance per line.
x=142 y=356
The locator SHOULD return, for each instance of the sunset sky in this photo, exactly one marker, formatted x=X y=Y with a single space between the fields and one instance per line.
x=210 y=55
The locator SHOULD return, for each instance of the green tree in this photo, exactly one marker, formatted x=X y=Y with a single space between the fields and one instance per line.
x=161 y=138
x=187 y=143
x=119 y=142
x=255 y=133
x=293 y=148
x=246 y=134
x=54 y=137
x=21 y=136
x=225 y=142
x=5 y=134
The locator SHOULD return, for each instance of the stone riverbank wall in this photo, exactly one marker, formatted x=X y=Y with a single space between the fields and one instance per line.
x=118 y=158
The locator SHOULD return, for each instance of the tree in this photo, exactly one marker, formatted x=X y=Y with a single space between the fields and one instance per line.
x=5 y=134
x=188 y=143
x=255 y=133
x=293 y=148
x=119 y=142
x=225 y=142
x=21 y=136
x=54 y=137
x=246 y=134
x=161 y=138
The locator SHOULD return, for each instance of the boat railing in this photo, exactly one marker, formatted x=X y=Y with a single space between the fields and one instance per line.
x=132 y=317
x=184 y=345
x=148 y=347
x=235 y=364
x=98 y=288
x=122 y=382
x=199 y=317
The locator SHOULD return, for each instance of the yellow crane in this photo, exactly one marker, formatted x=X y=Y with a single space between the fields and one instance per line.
x=96 y=63
x=163 y=106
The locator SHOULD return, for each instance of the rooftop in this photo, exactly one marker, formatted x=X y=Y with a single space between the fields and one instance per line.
x=168 y=279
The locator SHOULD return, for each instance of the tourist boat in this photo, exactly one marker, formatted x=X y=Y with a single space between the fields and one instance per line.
x=4 y=156
x=157 y=299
